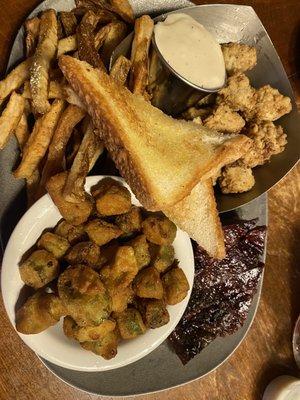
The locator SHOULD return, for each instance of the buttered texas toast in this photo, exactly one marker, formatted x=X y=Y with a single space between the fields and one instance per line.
x=162 y=159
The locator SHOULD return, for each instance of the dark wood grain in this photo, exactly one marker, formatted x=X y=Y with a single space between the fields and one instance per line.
x=266 y=352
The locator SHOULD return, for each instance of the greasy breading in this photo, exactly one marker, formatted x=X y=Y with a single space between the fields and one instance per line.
x=44 y=54
x=143 y=30
x=120 y=70
x=10 y=117
x=116 y=33
x=236 y=178
x=74 y=213
x=39 y=140
x=237 y=94
x=74 y=187
x=32 y=29
x=267 y=140
x=85 y=40
x=223 y=119
x=270 y=105
x=69 y=22
x=71 y=116
x=238 y=57
x=14 y=79
x=66 y=45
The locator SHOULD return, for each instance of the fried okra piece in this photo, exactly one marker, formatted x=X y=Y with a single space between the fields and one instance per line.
x=102 y=232
x=87 y=333
x=106 y=347
x=130 y=323
x=162 y=257
x=124 y=269
x=40 y=311
x=70 y=232
x=40 y=268
x=267 y=140
x=55 y=244
x=148 y=284
x=236 y=178
x=175 y=285
x=84 y=253
x=130 y=221
x=154 y=312
x=223 y=119
x=159 y=229
x=238 y=57
x=111 y=197
x=84 y=295
x=120 y=297
x=141 y=250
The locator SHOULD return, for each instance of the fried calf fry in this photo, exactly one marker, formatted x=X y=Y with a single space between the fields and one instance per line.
x=32 y=29
x=44 y=54
x=120 y=70
x=143 y=30
x=14 y=79
x=74 y=213
x=39 y=140
x=10 y=117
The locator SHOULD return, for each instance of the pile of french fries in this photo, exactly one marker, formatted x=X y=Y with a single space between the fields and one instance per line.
x=54 y=132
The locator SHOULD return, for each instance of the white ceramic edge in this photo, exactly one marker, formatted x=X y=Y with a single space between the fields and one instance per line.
x=43 y=203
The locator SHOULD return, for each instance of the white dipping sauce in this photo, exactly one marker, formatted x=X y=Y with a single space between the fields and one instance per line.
x=191 y=51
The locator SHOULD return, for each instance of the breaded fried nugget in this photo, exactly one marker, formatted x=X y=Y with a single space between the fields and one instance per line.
x=238 y=57
x=268 y=140
x=237 y=94
x=270 y=105
x=236 y=178
x=224 y=120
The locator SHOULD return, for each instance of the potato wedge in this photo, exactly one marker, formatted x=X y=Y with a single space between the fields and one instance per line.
x=44 y=54
x=39 y=141
x=120 y=70
x=10 y=117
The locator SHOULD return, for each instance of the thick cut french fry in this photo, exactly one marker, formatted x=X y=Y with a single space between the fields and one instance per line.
x=56 y=90
x=31 y=188
x=14 y=79
x=73 y=146
x=69 y=22
x=120 y=70
x=39 y=140
x=44 y=54
x=123 y=9
x=22 y=130
x=85 y=40
x=116 y=33
x=66 y=45
x=71 y=97
x=11 y=117
x=32 y=28
x=74 y=188
x=143 y=30
x=71 y=116
x=101 y=35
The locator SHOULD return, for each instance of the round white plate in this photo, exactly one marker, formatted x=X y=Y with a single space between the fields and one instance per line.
x=52 y=344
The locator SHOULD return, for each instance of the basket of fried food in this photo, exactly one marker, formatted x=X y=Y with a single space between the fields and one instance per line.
x=111 y=277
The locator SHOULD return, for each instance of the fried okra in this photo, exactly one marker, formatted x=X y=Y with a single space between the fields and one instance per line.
x=223 y=119
x=120 y=297
x=102 y=232
x=130 y=323
x=238 y=57
x=159 y=229
x=106 y=347
x=70 y=232
x=175 y=286
x=84 y=253
x=236 y=178
x=40 y=311
x=130 y=221
x=148 y=284
x=162 y=257
x=141 y=250
x=40 y=268
x=111 y=197
x=55 y=244
x=154 y=312
x=84 y=295
x=87 y=333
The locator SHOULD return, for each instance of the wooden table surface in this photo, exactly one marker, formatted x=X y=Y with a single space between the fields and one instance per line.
x=266 y=352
